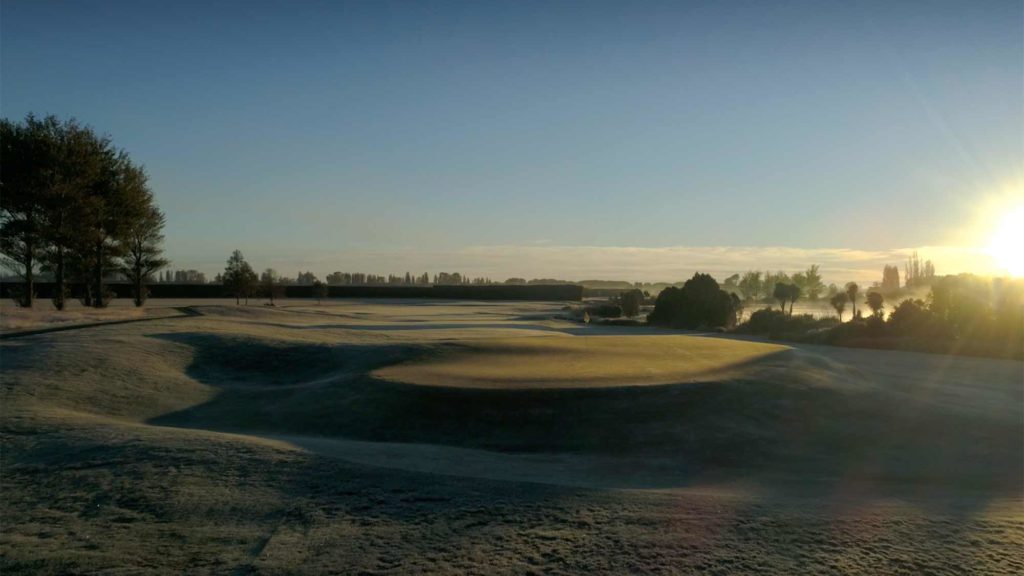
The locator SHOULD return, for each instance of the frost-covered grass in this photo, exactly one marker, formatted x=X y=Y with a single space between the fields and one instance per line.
x=444 y=437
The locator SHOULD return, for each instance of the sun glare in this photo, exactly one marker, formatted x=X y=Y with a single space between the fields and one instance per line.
x=1007 y=245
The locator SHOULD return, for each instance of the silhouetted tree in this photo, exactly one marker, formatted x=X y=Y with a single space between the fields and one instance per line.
x=838 y=301
x=890 y=278
x=143 y=236
x=781 y=293
x=912 y=318
x=737 y=306
x=73 y=201
x=918 y=273
x=794 y=295
x=771 y=280
x=851 y=295
x=305 y=278
x=268 y=280
x=813 y=285
x=699 y=303
x=876 y=302
x=75 y=159
x=319 y=291
x=27 y=156
x=750 y=285
x=731 y=284
x=239 y=277
x=630 y=301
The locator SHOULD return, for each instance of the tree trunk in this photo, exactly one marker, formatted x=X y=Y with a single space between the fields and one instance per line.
x=26 y=299
x=138 y=286
x=98 y=296
x=60 y=281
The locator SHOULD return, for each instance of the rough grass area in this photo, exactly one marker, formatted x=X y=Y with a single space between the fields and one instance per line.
x=425 y=438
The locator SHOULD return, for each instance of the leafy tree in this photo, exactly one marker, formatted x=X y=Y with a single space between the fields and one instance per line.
x=813 y=285
x=269 y=280
x=143 y=236
x=750 y=285
x=917 y=273
x=26 y=155
x=731 y=284
x=876 y=302
x=794 y=295
x=838 y=302
x=319 y=291
x=111 y=205
x=770 y=280
x=238 y=277
x=737 y=306
x=305 y=278
x=890 y=278
x=781 y=293
x=851 y=295
x=74 y=205
x=80 y=154
x=912 y=318
x=699 y=303
x=630 y=301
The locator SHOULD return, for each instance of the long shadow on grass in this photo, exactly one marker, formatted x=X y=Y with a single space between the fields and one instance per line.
x=848 y=440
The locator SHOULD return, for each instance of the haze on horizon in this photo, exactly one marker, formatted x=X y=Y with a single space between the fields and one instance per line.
x=570 y=140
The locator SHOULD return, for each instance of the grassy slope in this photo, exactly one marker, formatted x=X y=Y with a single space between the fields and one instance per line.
x=912 y=473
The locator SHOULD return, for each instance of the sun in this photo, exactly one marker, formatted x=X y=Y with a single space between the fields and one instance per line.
x=1007 y=244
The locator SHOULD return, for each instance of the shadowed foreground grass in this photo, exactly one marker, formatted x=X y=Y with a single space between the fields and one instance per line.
x=246 y=441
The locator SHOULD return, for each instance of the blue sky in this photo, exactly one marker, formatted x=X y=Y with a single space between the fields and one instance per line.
x=505 y=138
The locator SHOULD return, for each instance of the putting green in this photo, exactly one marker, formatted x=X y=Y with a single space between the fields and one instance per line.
x=582 y=362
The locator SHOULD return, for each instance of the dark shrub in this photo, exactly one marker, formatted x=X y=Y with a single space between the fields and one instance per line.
x=778 y=324
x=765 y=321
x=605 y=311
x=630 y=301
x=699 y=303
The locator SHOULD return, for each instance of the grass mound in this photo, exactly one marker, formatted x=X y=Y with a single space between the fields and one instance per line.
x=585 y=362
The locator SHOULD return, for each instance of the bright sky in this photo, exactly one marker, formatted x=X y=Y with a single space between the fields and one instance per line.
x=620 y=140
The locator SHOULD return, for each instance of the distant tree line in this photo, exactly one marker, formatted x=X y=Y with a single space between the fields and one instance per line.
x=758 y=285
x=181 y=277
x=74 y=206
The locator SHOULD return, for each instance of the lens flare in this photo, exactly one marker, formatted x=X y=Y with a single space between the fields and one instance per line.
x=1007 y=244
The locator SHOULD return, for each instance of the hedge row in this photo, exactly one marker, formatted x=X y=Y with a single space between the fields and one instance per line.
x=557 y=292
